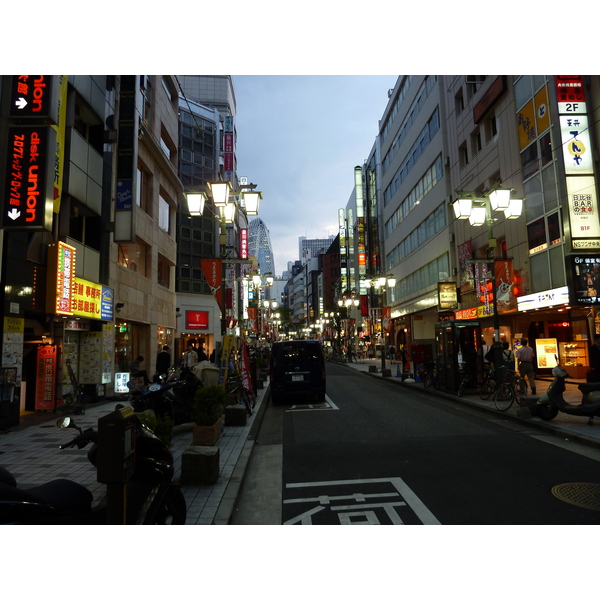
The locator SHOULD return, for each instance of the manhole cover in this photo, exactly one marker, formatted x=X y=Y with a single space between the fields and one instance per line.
x=586 y=495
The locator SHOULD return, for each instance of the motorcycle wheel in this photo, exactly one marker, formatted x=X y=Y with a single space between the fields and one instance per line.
x=174 y=509
x=547 y=412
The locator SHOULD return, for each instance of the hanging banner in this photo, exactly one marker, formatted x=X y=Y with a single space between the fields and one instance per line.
x=386 y=318
x=505 y=280
x=253 y=319
x=45 y=377
x=227 y=349
x=246 y=379
x=213 y=273
x=60 y=128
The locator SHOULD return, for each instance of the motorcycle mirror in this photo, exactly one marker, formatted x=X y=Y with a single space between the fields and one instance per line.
x=67 y=423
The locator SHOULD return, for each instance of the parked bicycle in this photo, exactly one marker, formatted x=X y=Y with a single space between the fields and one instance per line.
x=429 y=375
x=236 y=388
x=513 y=387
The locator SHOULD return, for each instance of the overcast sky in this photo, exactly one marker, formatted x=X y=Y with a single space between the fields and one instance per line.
x=299 y=138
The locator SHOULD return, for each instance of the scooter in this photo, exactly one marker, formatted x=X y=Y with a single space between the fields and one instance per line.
x=152 y=497
x=552 y=402
x=173 y=399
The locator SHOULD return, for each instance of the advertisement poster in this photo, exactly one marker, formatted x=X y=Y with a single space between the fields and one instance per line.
x=45 y=377
x=546 y=351
x=505 y=281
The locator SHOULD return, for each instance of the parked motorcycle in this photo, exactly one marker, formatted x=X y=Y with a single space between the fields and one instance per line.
x=552 y=402
x=173 y=399
x=152 y=497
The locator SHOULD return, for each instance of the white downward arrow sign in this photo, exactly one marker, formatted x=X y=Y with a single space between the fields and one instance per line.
x=14 y=214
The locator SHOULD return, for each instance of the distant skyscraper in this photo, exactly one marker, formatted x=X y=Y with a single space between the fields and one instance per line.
x=259 y=245
x=311 y=248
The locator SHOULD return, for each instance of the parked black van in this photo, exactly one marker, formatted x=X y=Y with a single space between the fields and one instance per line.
x=297 y=367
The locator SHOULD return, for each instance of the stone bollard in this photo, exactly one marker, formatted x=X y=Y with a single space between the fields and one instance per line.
x=372 y=369
x=236 y=414
x=199 y=464
x=386 y=372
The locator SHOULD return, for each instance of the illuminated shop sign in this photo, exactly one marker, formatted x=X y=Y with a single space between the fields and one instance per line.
x=243 y=243
x=576 y=145
x=570 y=94
x=61 y=278
x=195 y=319
x=583 y=274
x=29 y=186
x=34 y=96
x=544 y=299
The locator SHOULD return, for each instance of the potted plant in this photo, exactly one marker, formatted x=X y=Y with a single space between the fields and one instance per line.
x=207 y=412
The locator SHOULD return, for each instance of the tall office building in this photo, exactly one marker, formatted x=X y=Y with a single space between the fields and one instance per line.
x=259 y=245
x=310 y=248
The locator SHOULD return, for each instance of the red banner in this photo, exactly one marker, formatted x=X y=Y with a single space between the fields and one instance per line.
x=386 y=318
x=253 y=318
x=45 y=377
x=246 y=379
x=212 y=269
x=505 y=280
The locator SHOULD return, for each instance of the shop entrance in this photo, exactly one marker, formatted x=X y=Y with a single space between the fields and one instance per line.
x=457 y=348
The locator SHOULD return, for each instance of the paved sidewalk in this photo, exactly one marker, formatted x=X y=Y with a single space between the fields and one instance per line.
x=31 y=453
x=566 y=426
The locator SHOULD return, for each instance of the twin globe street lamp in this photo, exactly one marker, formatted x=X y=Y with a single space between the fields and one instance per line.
x=479 y=212
x=220 y=191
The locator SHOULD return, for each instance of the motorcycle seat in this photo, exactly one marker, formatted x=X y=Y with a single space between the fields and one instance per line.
x=62 y=494
x=589 y=387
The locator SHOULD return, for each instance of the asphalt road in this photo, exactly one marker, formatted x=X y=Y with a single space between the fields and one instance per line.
x=377 y=453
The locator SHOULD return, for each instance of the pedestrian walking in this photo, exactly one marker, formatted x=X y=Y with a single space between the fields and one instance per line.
x=525 y=356
x=190 y=358
x=392 y=353
x=163 y=362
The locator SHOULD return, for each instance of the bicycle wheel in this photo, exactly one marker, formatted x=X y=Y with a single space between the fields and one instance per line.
x=521 y=392
x=462 y=386
x=428 y=379
x=487 y=389
x=504 y=397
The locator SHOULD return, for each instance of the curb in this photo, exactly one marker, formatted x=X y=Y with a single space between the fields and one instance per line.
x=230 y=497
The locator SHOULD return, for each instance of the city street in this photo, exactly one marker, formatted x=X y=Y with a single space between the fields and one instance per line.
x=381 y=453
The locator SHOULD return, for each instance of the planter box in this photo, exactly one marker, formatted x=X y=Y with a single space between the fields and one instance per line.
x=206 y=435
x=199 y=464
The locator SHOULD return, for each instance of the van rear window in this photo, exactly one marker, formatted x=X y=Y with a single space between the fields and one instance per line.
x=309 y=353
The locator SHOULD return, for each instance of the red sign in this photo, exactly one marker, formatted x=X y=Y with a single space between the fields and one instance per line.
x=212 y=270
x=229 y=161
x=569 y=88
x=31 y=96
x=196 y=319
x=243 y=243
x=45 y=377
x=228 y=142
x=26 y=177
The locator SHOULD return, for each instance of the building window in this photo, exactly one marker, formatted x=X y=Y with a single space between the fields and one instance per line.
x=167 y=87
x=463 y=155
x=475 y=142
x=146 y=89
x=164 y=271
x=164 y=213
x=143 y=189
x=459 y=102
x=134 y=257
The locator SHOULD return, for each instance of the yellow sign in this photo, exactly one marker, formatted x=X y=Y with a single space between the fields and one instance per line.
x=87 y=297
x=14 y=325
x=542 y=110
x=526 y=125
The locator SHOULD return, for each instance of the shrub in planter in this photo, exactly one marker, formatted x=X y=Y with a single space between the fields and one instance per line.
x=209 y=403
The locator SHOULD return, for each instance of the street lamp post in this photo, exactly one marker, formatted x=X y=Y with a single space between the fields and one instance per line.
x=220 y=192
x=479 y=212
x=378 y=284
